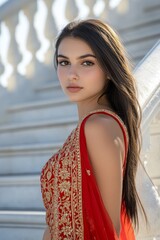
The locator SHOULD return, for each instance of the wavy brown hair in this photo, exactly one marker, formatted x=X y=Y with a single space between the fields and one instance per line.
x=120 y=91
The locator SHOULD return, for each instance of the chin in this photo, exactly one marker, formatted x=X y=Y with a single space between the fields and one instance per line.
x=74 y=99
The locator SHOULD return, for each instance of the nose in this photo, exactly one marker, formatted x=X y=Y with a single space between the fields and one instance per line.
x=72 y=73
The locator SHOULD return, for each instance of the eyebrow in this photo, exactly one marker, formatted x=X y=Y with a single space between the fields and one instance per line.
x=81 y=57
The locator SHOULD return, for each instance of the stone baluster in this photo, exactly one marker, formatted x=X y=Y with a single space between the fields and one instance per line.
x=71 y=10
x=2 y=90
x=34 y=68
x=1 y=65
x=104 y=14
x=50 y=33
x=13 y=56
x=90 y=4
x=123 y=7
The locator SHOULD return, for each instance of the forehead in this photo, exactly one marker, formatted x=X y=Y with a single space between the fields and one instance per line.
x=74 y=45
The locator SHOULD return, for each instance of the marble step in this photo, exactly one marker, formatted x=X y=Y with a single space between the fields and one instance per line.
x=22 y=225
x=37 y=132
x=20 y=192
x=41 y=110
x=143 y=45
x=26 y=159
x=151 y=5
x=50 y=90
x=141 y=49
x=140 y=34
x=137 y=52
x=139 y=22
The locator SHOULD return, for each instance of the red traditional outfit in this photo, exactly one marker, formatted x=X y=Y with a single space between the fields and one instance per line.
x=74 y=207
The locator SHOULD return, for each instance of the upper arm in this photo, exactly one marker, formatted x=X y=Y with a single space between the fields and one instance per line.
x=46 y=235
x=105 y=144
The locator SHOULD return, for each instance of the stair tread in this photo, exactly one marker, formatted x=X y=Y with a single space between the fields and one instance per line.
x=146 y=20
x=47 y=86
x=31 y=147
x=38 y=104
x=19 y=126
x=19 y=178
x=151 y=5
x=21 y=217
x=135 y=37
x=22 y=212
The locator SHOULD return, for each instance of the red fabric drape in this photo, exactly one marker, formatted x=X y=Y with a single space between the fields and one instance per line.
x=97 y=223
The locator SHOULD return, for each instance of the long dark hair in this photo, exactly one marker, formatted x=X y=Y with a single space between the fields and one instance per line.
x=120 y=91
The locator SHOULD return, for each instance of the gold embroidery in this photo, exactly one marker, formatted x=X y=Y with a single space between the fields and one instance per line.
x=61 y=191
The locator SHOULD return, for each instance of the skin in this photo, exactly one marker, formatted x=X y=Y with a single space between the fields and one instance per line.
x=82 y=71
x=46 y=235
x=78 y=65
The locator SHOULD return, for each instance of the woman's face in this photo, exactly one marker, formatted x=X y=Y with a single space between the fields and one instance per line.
x=78 y=70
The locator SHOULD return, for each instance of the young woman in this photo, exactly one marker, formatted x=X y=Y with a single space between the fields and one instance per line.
x=88 y=186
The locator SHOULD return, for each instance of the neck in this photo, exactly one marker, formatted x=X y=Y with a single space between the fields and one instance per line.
x=84 y=109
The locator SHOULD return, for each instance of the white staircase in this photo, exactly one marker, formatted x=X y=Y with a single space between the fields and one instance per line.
x=138 y=23
x=36 y=117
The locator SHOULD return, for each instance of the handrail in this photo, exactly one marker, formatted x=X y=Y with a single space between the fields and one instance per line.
x=11 y=7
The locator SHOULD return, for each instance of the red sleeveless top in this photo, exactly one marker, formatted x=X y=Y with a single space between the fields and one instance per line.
x=74 y=207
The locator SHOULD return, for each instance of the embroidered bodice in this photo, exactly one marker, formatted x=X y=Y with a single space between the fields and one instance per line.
x=61 y=190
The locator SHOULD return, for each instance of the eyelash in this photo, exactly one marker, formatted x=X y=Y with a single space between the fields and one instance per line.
x=61 y=63
x=89 y=63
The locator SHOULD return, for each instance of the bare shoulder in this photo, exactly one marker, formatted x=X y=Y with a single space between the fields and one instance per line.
x=104 y=136
x=102 y=124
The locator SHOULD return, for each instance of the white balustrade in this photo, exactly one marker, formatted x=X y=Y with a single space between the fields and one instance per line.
x=104 y=14
x=16 y=82
x=147 y=75
x=14 y=56
x=2 y=89
x=71 y=10
x=90 y=4
x=1 y=65
x=3 y=92
x=50 y=33
x=154 y=154
x=33 y=43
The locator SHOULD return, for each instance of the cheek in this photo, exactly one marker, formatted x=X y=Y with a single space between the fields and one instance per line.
x=97 y=77
x=60 y=74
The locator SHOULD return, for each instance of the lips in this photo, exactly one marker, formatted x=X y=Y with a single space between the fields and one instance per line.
x=73 y=86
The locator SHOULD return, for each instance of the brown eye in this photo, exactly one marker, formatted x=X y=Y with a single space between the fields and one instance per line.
x=88 y=63
x=63 y=63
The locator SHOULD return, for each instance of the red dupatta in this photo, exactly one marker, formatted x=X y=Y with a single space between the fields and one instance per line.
x=97 y=223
